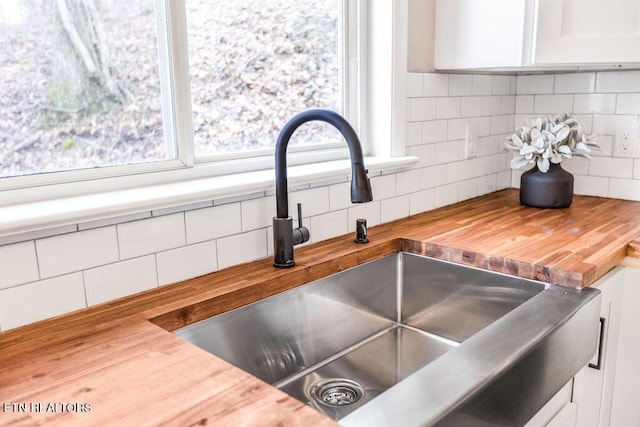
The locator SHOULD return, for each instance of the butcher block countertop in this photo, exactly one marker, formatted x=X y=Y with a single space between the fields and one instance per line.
x=118 y=363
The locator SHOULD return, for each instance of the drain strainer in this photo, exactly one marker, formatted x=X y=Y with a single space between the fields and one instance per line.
x=337 y=392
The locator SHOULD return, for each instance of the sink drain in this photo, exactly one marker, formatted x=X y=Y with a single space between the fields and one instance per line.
x=337 y=392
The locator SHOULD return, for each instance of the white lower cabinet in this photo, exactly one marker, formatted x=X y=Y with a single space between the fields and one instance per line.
x=593 y=385
x=625 y=408
x=604 y=393
x=558 y=412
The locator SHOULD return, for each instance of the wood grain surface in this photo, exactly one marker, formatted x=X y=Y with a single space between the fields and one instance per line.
x=121 y=358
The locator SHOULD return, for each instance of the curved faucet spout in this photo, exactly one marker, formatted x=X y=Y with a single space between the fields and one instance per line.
x=284 y=236
x=360 y=186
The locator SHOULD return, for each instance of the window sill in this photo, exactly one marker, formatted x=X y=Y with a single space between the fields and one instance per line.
x=49 y=214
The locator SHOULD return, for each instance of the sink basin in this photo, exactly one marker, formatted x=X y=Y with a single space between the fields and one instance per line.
x=410 y=340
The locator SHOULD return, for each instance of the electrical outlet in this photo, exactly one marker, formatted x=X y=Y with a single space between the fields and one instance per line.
x=471 y=140
x=625 y=143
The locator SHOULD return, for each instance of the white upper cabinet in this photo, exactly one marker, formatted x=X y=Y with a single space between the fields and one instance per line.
x=537 y=34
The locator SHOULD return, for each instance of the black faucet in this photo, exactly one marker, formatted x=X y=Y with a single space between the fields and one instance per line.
x=284 y=235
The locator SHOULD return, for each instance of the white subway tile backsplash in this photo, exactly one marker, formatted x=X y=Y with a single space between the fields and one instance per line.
x=408 y=182
x=503 y=180
x=121 y=279
x=187 y=262
x=383 y=187
x=421 y=201
x=499 y=162
x=627 y=189
x=436 y=84
x=471 y=106
x=77 y=251
x=211 y=223
x=421 y=109
x=483 y=124
x=369 y=211
x=434 y=131
x=507 y=104
x=460 y=84
x=553 y=104
x=242 y=248
x=340 y=195
x=488 y=183
x=446 y=152
x=425 y=153
x=534 y=84
x=576 y=165
x=524 y=104
x=604 y=124
x=314 y=201
x=478 y=166
x=329 y=225
x=446 y=195
x=503 y=85
x=590 y=185
x=468 y=189
x=415 y=85
x=457 y=171
x=515 y=177
x=618 y=81
x=151 y=235
x=491 y=105
x=594 y=104
x=491 y=144
x=414 y=134
x=481 y=84
x=18 y=264
x=396 y=208
x=448 y=108
x=434 y=176
x=36 y=301
x=636 y=169
x=628 y=103
x=575 y=83
x=611 y=167
x=606 y=145
x=256 y=213
x=501 y=125
x=457 y=129
x=586 y=121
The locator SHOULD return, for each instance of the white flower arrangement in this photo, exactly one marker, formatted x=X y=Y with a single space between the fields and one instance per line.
x=549 y=141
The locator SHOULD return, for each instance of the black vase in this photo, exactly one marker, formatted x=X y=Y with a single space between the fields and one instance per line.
x=553 y=189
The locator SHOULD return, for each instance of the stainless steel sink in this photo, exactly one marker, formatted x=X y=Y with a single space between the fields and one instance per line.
x=409 y=340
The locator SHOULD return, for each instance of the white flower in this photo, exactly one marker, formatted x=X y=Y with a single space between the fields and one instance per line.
x=549 y=141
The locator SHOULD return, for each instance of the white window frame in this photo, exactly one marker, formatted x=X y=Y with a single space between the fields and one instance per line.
x=177 y=113
x=377 y=107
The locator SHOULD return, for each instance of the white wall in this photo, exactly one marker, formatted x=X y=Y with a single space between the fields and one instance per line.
x=599 y=100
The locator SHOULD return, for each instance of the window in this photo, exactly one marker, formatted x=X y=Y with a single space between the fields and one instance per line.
x=80 y=86
x=253 y=68
x=95 y=88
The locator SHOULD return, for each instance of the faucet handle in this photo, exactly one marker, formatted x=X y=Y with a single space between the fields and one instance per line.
x=299 y=215
x=300 y=234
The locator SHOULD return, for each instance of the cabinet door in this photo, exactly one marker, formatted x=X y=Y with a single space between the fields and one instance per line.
x=625 y=410
x=593 y=388
x=478 y=34
x=587 y=31
x=558 y=412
